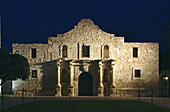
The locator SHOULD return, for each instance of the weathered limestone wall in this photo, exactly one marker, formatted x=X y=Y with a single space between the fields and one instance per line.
x=121 y=73
x=25 y=50
x=85 y=33
x=147 y=61
x=42 y=56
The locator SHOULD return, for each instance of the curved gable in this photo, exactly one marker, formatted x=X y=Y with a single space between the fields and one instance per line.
x=85 y=31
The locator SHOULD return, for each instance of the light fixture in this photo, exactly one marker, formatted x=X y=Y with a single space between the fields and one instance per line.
x=165 y=78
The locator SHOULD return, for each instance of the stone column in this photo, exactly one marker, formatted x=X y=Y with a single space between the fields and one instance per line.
x=71 y=87
x=101 y=87
x=112 y=93
x=58 y=86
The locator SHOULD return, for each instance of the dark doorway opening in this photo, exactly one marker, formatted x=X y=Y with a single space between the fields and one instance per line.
x=85 y=84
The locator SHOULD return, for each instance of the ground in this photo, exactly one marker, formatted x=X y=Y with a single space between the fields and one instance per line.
x=88 y=106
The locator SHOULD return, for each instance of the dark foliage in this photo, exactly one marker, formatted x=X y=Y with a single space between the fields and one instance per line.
x=13 y=66
x=166 y=35
x=165 y=57
x=165 y=60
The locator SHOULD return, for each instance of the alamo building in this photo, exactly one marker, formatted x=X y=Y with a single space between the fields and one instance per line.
x=87 y=61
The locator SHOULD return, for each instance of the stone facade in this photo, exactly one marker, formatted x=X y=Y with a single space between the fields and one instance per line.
x=89 y=61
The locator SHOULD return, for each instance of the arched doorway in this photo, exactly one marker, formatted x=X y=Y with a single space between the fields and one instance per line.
x=85 y=84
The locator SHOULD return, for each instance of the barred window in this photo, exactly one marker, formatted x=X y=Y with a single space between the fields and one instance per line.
x=135 y=52
x=34 y=73
x=85 y=51
x=137 y=73
x=33 y=53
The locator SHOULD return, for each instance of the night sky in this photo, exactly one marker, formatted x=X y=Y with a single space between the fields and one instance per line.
x=33 y=21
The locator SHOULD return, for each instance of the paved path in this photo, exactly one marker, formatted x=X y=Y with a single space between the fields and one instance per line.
x=10 y=101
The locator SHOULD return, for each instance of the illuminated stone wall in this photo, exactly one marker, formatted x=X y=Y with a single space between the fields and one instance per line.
x=121 y=64
x=147 y=61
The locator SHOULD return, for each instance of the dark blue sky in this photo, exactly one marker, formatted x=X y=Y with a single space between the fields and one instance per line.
x=33 y=21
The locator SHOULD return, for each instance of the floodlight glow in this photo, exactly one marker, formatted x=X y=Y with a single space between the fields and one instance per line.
x=165 y=78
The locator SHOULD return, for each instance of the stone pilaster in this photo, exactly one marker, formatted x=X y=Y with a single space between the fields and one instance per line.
x=71 y=87
x=101 y=87
x=113 y=75
x=58 y=86
x=112 y=93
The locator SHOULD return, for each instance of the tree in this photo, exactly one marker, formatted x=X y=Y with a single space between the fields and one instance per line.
x=166 y=35
x=165 y=60
x=13 y=66
x=165 y=56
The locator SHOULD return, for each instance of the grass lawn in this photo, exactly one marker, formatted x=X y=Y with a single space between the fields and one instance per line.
x=87 y=106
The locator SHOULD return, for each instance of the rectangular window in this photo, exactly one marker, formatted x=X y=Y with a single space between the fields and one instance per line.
x=86 y=51
x=135 y=52
x=33 y=53
x=34 y=73
x=137 y=74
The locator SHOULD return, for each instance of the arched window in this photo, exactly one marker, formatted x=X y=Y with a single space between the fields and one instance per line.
x=105 y=75
x=106 y=51
x=64 y=51
x=64 y=76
